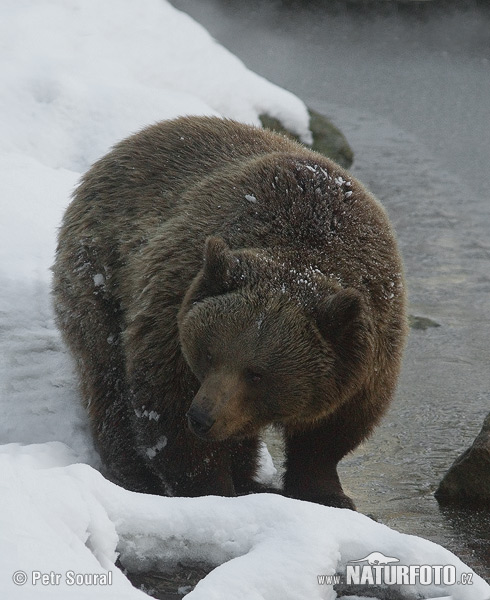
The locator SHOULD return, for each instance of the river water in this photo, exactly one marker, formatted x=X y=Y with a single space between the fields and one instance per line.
x=412 y=95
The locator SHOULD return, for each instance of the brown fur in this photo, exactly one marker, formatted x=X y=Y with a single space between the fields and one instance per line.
x=295 y=316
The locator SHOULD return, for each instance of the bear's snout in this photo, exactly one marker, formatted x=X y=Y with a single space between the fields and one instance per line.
x=199 y=420
x=219 y=410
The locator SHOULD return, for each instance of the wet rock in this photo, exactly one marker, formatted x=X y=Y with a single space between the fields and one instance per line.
x=327 y=139
x=468 y=479
x=393 y=592
x=170 y=585
x=421 y=323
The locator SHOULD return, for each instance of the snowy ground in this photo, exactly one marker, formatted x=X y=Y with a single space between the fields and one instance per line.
x=77 y=76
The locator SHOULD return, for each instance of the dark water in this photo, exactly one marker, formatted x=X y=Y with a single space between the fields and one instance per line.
x=412 y=95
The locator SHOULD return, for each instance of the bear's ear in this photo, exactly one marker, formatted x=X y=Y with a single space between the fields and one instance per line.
x=343 y=319
x=217 y=262
x=345 y=323
x=218 y=275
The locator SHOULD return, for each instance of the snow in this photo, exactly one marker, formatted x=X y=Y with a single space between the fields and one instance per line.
x=154 y=450
x=69 y=519
x=76 y=77
x=266 y=471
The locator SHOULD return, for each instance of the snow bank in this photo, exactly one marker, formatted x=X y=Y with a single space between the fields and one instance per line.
x=69 y=521
x=77 y=76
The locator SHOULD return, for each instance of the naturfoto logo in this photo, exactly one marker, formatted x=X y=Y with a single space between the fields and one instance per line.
x=376 y=558
x=379 y=569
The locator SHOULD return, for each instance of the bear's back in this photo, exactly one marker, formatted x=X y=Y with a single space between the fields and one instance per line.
x=147 y=179
x=177 y=182
x=223 y=172
x=163 y=160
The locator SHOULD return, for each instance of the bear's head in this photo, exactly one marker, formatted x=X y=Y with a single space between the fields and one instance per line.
x=262 y=356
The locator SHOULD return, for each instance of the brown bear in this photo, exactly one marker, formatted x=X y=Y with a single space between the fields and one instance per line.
x=213 y=278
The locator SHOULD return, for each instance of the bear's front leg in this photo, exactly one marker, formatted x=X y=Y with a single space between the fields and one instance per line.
x=311 y=468
x=161 y=388
x=184 y=464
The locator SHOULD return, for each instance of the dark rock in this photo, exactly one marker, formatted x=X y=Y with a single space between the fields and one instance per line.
x=327 y=139
x=169 y=585
x=468 y=479
x=392 y=592
x=421 y=323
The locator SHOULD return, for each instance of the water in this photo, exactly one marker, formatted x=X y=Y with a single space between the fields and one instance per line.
x=412 y=96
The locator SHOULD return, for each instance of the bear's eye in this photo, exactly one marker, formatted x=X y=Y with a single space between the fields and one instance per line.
x=253 y=376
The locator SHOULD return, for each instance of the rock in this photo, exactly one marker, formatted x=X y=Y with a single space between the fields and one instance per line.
x=373 y=591
x=327 y=139
x=468 y=479
x=421 y=323
x=172 y=585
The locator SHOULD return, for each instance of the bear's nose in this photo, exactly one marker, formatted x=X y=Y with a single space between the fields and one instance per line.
x=199 y=420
